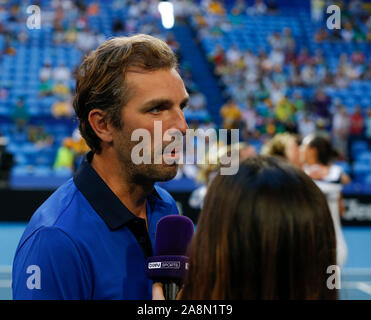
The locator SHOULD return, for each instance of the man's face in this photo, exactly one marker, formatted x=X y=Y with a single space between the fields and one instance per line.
x=156 y=96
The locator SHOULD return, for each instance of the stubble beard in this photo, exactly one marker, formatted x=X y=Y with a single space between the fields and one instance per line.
x=143 y=174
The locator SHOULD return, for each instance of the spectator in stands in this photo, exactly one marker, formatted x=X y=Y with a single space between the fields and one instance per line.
x=317 y=10
x=321 y=35
x=295 y=75
x=304 y=57
x=239 y=7
x=46 y=87
x=70 y=35
x=258 y=8
x=61 y=90
x=249 y=118
x=62 y=74
x=299 y=103
x=358 y=57
x=341 y=80
x=357 y=123
x=79 y=146
x=197 y=100
x=65 y=156
x=233 y=54
x=347 y=32
x=276 y=93
x=46 y=72
x=231 y=115
x=308 y=75
x=270 y=127
x=9 y=49
x=306 y=125
x=38 y=136
x=286 y=258
x=340 y=129
x=216 y=7
x=276 y=42
x=58 y=34
x=62 y=108
x=92 y=9
x=20 y=115
x=277 y=58
x=355 y=8
x=321 y=105
x=285 y=110
x=172 y=43
x=288 y=39
x=218 y=57
x=86 y=41
x=240 y=93
x=188 y=78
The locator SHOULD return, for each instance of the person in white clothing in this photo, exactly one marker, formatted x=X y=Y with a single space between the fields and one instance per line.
x=317 y=157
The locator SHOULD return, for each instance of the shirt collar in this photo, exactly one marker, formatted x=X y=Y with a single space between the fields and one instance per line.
x=109 y=207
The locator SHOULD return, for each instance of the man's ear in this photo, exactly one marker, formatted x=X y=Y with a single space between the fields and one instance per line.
x=99 y=123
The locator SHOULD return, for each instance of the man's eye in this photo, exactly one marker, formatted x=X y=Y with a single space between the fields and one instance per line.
x=184 y=106
x=156 y=109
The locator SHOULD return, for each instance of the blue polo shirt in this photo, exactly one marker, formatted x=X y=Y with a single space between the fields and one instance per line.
x=83 y=243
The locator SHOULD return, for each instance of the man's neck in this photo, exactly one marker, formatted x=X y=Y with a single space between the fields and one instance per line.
x=132 y=195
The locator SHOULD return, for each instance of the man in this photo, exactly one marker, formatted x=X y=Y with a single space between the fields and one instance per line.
x=91 y=238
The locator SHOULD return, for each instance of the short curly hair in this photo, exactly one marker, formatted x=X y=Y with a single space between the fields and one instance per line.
x=100 y=80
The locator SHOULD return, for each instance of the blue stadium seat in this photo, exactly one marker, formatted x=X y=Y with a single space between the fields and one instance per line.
x=63 y=172
x=358 y=146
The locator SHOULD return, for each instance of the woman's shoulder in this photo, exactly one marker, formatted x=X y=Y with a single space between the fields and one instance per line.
x=334 y=174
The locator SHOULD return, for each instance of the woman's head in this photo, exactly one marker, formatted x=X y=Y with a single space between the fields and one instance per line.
x=284 y=145
x=264 y=233
x=317 y=149
x=214 y=160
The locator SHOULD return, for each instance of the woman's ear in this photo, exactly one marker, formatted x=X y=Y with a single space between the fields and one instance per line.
x=99 y=123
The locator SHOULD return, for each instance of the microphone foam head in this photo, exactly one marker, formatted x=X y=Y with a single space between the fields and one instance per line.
x=173 y=235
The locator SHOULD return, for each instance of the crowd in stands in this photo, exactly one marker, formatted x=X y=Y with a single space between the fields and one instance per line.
x=263 y=86
x=356 y=22
x=261 y=83
x=78 y=25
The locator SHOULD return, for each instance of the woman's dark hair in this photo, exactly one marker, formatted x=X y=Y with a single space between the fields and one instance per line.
x=264 y=233
x=325 y=152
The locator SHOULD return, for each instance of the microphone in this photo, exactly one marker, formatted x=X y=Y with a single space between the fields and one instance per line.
x=170 y=263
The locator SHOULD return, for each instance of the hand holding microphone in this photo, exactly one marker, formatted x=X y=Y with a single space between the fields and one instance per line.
x=170 y=263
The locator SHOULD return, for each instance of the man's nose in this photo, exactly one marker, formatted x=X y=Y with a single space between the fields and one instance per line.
x=180 y=122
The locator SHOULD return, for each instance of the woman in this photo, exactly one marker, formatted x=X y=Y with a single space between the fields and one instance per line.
x=285 y=145
x=264 y=233
x=317 y=157
x=209 y=170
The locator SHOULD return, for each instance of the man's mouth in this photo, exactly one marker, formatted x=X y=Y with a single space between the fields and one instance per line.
x=175 y=152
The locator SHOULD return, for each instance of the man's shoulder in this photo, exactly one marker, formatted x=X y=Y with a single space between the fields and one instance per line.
x=49 y=214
